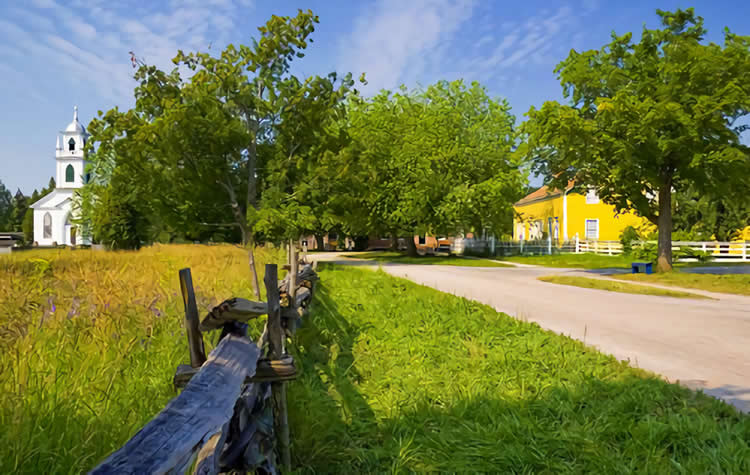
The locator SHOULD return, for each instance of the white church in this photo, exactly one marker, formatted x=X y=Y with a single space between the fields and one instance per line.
x=52 y=214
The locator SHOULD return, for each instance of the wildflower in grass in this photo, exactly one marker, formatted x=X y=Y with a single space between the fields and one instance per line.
x=73 y=308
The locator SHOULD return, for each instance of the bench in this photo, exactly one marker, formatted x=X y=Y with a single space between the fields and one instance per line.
x=637 y=266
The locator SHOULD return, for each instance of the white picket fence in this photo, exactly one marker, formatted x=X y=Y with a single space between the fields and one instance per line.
x=610 y=248
x=738 y=251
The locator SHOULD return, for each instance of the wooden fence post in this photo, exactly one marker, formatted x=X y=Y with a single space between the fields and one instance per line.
x=276 y=350
x=293 y=269
x=192 y=320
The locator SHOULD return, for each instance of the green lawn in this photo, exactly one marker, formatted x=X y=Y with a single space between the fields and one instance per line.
x=576 y=261
x=401 y=258
x=608 y=285
x=730 y=283
x=396 y=377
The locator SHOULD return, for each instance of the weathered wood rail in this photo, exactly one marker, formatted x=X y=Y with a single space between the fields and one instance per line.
x=231 y=415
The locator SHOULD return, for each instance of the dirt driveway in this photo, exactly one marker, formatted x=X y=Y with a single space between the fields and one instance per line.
x=702 y=343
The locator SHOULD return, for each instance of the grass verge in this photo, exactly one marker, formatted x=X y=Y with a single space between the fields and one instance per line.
x=401 y=258
x=727 y=283
x=574 y=261
x=396 y=377
x=608 y=285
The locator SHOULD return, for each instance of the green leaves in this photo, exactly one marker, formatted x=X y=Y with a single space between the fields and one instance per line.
x=429 y=158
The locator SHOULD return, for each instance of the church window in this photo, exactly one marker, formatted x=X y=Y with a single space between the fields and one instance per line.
x=69 y=174
x=71 y=145
x=47 y=226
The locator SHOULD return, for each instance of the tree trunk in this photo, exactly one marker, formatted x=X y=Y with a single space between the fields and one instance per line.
x=319 y=245
x=253 y=268
x=394 y=241
x=247 y=238
x=664 y=253
x=411 y=246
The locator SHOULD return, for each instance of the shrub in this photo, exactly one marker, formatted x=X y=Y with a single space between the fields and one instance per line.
x=628 y=235
x=645 y=252
x=689 y=253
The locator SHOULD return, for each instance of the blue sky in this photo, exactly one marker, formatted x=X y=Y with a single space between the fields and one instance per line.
x=55 y=54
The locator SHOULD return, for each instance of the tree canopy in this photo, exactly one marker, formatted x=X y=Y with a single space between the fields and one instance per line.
x=437 y=160
x=649 y=118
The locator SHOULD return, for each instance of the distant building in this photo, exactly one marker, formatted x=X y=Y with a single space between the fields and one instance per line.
x=52 y=214
x=564 y=214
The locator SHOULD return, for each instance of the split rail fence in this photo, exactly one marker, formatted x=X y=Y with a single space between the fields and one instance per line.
x=231 y=415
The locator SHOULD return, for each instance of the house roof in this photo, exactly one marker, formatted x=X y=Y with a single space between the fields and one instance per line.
x=543 y=193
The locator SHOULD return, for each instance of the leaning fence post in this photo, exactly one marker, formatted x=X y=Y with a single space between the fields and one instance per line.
x=276 y=350
x=578 y=245
x=192 y=320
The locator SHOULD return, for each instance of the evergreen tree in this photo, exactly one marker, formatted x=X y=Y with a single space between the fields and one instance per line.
x=6 y=207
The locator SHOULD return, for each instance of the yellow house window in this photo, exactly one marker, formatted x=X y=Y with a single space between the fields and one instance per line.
x=537 y=229
x=592 y=229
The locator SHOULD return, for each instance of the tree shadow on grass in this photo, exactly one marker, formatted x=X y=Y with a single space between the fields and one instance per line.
x=327 y=412
x=590 y=426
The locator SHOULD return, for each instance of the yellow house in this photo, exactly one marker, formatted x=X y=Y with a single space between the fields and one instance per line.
x=565 y=214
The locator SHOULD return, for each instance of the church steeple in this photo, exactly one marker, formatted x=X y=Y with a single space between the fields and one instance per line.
x=71 y=161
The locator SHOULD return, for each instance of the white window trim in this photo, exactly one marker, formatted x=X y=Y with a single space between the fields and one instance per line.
x=585 y=227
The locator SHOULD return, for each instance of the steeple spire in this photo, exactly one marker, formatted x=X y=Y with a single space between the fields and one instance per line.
x=75 y=113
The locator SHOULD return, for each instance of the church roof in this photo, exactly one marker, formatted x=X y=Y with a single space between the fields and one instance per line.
x=75 y=126
x=56 y=199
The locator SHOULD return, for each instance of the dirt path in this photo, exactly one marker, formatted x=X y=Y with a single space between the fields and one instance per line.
x=702 y=343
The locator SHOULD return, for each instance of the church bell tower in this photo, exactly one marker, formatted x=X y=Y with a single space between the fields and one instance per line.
x=71 y=162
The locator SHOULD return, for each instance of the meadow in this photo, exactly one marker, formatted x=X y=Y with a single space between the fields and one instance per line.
x=90 y=343
x=394 y=377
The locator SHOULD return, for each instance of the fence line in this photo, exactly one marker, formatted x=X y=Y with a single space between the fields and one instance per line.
x=231 y=415
x=715 y=250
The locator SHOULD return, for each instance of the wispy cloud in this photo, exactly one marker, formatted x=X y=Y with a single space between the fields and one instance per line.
x=87 y=42
x=396 y=41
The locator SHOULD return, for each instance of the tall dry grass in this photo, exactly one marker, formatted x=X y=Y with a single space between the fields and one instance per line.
x=90 y=341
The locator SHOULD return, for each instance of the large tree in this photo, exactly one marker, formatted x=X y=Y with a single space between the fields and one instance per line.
x=648 y=119
x=296 y=198
x=198 y=148
x=435 y=161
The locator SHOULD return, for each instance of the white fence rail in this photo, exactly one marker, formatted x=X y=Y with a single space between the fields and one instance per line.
x=719 y=251
x=738 y=251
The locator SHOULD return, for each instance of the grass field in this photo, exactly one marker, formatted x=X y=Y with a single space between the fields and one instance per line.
x=90 y=342
x=728 y=283
x=394 y=377
x=600 y=284
x=575 y=261
x=401 y=258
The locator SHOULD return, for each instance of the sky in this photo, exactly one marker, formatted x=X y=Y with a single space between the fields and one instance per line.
x=55 y=54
